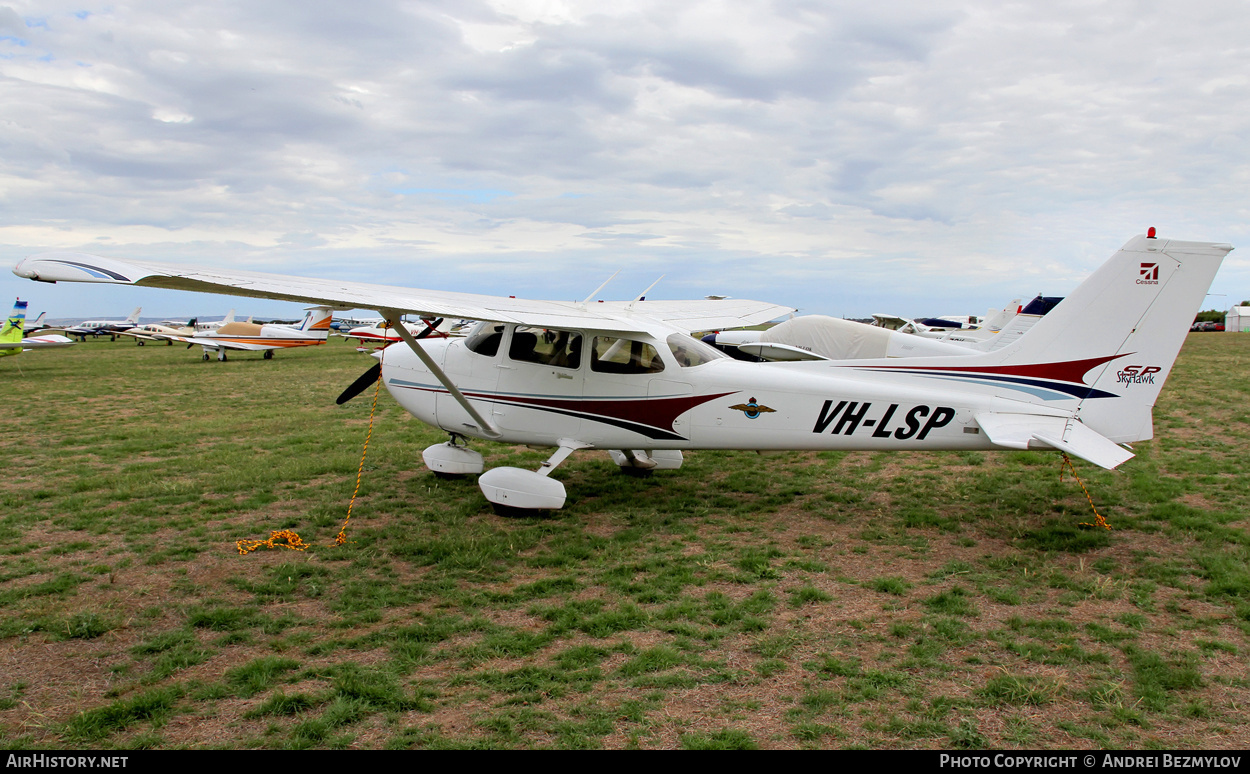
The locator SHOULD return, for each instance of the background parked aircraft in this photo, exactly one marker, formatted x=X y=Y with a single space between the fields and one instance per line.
x=97 y=328
x=159 y=332
x=251 y=337
x=12 y=342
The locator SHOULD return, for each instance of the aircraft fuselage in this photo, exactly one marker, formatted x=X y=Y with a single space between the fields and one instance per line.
x=720 y=404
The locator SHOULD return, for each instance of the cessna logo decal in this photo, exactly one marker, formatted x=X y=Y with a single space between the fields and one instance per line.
x=753 y=409
x=1137 y=375
x=917 y=422
x=1149 y=274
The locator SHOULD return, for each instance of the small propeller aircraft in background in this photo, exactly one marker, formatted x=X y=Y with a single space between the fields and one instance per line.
x=628 y=377
x=12 y=342
x=383 y=332
x=98 y=328
x=253 y=337
x=165 y=331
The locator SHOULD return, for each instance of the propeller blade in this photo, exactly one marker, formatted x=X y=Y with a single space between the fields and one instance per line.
x=361 y=384
x=371 y=376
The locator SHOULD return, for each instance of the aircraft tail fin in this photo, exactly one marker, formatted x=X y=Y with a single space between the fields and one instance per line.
x=1112 y=342
x=318 y=320
x=998 y=320
x=13 y=326
x=133 y=319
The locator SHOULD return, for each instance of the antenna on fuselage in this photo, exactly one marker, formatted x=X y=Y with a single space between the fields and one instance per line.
x=590 y=297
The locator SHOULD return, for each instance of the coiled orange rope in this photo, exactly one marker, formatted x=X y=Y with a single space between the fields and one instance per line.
x=288 y=538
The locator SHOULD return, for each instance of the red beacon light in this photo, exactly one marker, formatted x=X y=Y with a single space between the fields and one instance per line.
x=1150 y=233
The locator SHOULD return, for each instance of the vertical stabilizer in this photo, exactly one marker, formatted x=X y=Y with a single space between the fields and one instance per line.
x=14 y=325
x=318 y=320
x=11 y=333
x=1122 y=329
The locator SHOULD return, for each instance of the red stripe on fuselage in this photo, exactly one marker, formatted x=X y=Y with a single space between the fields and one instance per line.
x=1068 y=371
x=660 y=413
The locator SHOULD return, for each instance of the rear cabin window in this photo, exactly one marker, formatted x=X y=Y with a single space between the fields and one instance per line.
x=624 y=356
x=485 y=338
x=559 y=349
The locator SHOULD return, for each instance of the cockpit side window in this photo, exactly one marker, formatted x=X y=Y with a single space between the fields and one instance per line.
x=624 y=356
x=559 y=349
x=485 y=338
x=691 y=352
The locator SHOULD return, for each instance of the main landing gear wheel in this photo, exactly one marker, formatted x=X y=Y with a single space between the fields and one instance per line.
x=205 y=358
x=640 y=464
x=269 y=354
x=514 y=489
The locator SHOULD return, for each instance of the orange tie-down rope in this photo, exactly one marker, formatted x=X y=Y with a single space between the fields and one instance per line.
x=1101 y=522
x=285 y=538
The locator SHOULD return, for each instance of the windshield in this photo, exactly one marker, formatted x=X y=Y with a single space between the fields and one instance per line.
x=691 y=352
x=485 y=338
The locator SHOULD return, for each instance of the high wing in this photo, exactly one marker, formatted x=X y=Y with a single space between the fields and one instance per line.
x=609 y=317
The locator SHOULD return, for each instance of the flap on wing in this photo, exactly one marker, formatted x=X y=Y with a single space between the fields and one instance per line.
x=1018 y=431
x=781 y=352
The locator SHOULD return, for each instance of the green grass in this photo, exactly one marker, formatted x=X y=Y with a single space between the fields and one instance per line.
x=793 y=601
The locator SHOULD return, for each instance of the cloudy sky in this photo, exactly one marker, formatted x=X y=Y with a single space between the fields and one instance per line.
x=843 y=157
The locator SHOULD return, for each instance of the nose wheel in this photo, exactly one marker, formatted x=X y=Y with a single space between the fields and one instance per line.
x=452 y=459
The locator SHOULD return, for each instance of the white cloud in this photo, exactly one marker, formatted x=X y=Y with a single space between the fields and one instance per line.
x=841 y=157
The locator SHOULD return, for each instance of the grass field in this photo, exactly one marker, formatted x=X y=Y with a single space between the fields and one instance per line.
x=946 y=600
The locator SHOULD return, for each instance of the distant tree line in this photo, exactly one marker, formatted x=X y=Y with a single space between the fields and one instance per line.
x=1215 y=315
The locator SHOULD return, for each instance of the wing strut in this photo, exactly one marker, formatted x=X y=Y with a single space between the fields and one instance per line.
x=395 y=318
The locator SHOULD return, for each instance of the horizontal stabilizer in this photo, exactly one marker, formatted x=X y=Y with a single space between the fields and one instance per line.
x=1024 y=431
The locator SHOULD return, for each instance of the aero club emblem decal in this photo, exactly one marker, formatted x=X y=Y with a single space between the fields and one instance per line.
x=752 y=409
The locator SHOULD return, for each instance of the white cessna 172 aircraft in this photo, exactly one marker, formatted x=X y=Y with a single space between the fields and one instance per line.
x=628 y=377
